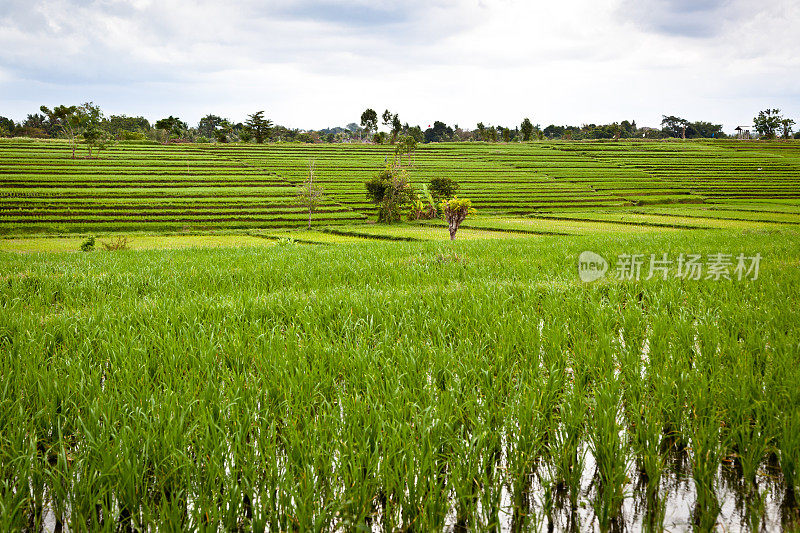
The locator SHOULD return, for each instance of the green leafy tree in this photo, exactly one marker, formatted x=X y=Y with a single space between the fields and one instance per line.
x=207 y=127
x=423 y=205
x=259 y=126
x=628 y=128
x=482 y=131
x=506 y=135
x=455 y=211
x=440 y=132
x=67 y=119
x=120 y=126
x=7 y=127
x=767 y=122
x=311 y=194
x=705 y=130
x=387 y=118
x=442 y=188
x=673 y=126
x=787 y=125
x=172 y=126
x=369 y=121
x=397 y=127
x=90 y=120
x=406 y=146
x=527 y=129
x=37 y=121
x=391 y=191
x=417 y=133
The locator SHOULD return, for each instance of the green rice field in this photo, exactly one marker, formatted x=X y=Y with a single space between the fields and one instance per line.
x=201 y=187
x=232 y=370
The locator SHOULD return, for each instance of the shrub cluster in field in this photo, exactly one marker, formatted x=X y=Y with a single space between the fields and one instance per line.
x=397 y=386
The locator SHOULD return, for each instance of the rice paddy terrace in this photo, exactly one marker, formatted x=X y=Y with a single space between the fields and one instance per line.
x=219 y=186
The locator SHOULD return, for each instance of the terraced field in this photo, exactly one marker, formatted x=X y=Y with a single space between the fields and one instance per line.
x=145 y=187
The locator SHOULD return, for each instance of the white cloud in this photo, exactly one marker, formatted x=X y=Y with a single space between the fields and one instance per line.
x=316 y=64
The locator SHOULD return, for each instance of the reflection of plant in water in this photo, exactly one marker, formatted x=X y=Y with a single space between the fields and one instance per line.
x=609 y=454
x=706 y=454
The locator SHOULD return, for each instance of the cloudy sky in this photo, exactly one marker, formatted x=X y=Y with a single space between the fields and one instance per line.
x=312 y=64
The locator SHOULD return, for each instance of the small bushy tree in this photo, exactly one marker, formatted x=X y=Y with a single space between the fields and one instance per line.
x=391 y=191
x=88 y=244
x=455 y=211
x=442 y=188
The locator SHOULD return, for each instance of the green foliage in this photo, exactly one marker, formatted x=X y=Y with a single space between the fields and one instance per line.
x=423 y=206
x=442 y=187
x=391 y=192
x=407 y=145
x=91 y=120
x=768 y=122
x=527 y=129
x=369 y=121
x=440 y=132
x=208 y=125
x=455 y=211
x=125 y=135
x=674 y=126
x=402 y=385
x=258 y=126
x=88 y=244
x=405 y=385
x=67 y=119
x=787 y=125
x=123 y=127
x=396 y=128
x=174 y=127
x=147 y=186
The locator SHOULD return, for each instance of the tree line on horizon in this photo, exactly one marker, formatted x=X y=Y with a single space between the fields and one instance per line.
x=87 y=123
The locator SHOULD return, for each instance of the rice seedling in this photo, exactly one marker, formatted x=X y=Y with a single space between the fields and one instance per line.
x=370 y=385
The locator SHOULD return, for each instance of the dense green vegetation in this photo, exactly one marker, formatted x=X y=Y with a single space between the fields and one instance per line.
x=224 y=186
x=363 y=375
x=399 y=386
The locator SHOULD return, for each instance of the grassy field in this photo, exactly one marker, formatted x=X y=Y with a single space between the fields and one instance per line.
x=186 y=187
x=234 y=371
x=400 y=386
